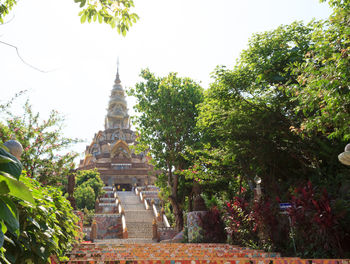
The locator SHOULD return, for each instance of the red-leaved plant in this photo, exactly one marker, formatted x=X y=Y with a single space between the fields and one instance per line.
x=315 y=224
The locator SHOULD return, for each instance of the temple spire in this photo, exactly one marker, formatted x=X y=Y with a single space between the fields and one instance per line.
x=117 y=80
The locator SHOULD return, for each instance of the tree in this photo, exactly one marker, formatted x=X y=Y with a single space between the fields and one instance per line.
x=247 y=114
x=166 y=124
x=89 y=187
x=43 y=143
x=85 y=197
x=282 y=113
x=37 y=221
x=324 y=76
x=116 y=13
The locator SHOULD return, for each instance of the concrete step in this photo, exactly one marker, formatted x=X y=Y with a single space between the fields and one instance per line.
x=124 y=241
x=136 y=230
x=138 y=216
x=133 y=207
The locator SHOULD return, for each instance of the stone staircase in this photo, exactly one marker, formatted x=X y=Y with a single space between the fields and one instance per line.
x=138 y=219
x=171 y=253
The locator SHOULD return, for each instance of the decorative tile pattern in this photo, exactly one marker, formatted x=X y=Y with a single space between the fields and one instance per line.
x=181 y=254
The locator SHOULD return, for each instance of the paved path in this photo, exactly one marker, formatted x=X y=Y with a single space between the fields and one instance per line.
x=138 y=219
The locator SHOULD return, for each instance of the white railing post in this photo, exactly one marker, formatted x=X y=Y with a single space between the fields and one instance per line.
x=125 y=230
x=156 y=214
x=146 y=204
x=165 y=219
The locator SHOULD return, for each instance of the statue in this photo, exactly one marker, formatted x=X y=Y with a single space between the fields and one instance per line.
x=15 y=148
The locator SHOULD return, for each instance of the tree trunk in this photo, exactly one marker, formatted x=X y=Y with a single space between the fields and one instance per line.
x=177 y=210
x=177 y=213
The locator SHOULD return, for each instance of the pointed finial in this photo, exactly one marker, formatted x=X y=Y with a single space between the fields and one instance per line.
x=117 y=80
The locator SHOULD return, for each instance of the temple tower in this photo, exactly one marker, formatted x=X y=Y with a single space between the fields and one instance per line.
x=117 y=115
x=111 y=152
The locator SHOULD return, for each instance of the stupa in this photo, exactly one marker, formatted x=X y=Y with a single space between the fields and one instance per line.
x=110 y=150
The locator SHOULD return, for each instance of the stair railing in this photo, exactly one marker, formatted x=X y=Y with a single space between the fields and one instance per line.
x=117 y=204
x=146 y=204
x=125 y=230
x=155 y=211
x=164 y=218
x=121 y=211
x=141 y=197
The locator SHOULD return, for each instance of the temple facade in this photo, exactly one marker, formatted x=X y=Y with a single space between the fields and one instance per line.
x=111 y=150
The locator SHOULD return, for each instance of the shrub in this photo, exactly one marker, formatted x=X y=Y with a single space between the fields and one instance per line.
x=84 y=197
x=48 y=228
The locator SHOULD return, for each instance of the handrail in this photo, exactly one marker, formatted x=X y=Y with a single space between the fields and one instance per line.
x=155 y=212
x=146 y=204
x=141 y=196
x=165 y=220
x=117 y=205
x=123 y=222
x=125 y=230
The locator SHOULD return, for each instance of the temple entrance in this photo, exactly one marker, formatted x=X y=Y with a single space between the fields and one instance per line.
x=123 y=186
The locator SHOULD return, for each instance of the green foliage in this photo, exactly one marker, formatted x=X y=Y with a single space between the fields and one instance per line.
x=84 y=197
x=48 y=228
x=41 y=222
x=116 y=13
x=92 y=179
x=281 y=113
x=43 y=144
x=5 y=8
x=88 y=217
x=10 y=190
x=167 y=107
x=322 y=90
x=10 y=163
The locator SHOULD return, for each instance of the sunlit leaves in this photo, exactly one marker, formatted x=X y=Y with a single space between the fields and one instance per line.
x=10 y=189
x=166 y=125
x=43 y=157
x=49 y=225
x=116 y=13
x=5 y=8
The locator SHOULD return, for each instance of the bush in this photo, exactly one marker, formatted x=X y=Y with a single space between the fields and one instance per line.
x=84 y=197
x=213 y=226
x=92 y=179
x=48 y=228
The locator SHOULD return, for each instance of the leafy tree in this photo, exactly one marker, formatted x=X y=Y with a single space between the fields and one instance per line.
x=247 y=114
x=282 y=113
x=167 y=107
x=116 y=13
x=43 y=222
x=90 y=178
x=324 y=76
x=85 y=197
x=43 y=144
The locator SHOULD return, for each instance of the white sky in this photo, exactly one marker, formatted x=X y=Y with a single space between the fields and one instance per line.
x=190 y=37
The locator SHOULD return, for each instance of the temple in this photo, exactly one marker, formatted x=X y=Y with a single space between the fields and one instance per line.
x=110 y=150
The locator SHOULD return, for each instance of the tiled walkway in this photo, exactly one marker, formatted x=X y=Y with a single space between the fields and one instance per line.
x=106 y=252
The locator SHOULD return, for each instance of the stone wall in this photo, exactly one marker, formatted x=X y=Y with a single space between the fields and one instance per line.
x=109 y=226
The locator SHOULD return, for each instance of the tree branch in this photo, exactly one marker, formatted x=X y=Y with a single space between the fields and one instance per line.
x=8 y=21
x=19 y=56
